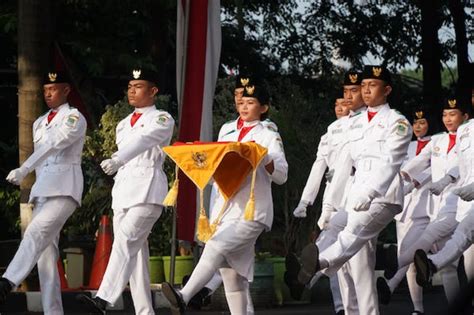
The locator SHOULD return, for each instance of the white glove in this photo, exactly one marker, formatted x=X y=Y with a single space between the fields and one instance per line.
x=465 y=192
x=437 y=187
x=362 y=201
x=111 y=166
x=17 y=175
x=408 y=188
x=300 y=210
x=326 y=213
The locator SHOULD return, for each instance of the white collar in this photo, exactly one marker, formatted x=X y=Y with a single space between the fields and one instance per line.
x=250 y=123
x=376 y=108
x=142 y=110
x=57 y=109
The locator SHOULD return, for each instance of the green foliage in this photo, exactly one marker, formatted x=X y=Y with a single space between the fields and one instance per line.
x=449 y=76
x=9 y=205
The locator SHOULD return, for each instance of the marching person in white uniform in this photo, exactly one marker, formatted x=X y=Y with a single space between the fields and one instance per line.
x=231 y=249
x=378 y=142
x=461 y=241
x=58 y=138
x=326 y=154
x=439 y=155
x=414 y=219
x=137 y=195
x=229 y=127
x=357 y=272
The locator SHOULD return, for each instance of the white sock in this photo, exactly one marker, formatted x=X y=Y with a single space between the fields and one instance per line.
x=416 y=292
x=203 y=272
x=237 y=301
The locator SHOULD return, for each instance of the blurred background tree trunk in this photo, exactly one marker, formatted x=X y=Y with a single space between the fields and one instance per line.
x=34 y=33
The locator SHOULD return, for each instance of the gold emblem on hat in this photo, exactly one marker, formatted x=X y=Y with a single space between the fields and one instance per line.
x=452 y=103
x=250 y=89
x=377 y=71
x=52 y=76
x=353 y=77
x=419 y=114
x=136 y=74
x=244 y=81
x=199 y=159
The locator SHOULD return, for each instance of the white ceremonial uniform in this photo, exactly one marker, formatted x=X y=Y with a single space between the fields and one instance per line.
x=461 y=241
x=374 y=154
x=231 y=249
x=227 y=128
x=137 y=196
x=357 y=272
x=240 y=254
x=328 y=147
x=437 y=232
x=56 y=193
x=410 y=224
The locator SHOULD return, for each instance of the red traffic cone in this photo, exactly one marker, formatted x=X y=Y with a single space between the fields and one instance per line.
x=62 y=277
x=102 y=253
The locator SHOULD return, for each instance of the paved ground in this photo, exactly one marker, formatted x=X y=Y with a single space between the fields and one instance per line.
x=435 y=303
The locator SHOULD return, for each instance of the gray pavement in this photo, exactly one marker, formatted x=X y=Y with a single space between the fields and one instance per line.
x=435 y=303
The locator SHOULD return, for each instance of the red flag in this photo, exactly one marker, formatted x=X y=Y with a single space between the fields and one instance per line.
x=198 y=45
x=74 y=96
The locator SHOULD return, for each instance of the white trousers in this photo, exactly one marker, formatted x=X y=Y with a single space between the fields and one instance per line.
x=358 y=272
x=407 y=234
x=362 y=226
x=460 y=242
x=216 y=282
x=221 y=253
x=129 y=258
x=434 y=236
x=40 y=246
x=357 y=281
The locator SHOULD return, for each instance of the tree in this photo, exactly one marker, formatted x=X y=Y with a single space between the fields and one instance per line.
x=459 y=20
x=430 y=58
x=34 y=31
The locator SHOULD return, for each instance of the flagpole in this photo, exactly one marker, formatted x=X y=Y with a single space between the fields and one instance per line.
x=173 y=246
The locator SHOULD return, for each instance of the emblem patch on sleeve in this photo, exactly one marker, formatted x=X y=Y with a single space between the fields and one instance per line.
x=402 y=128
x=72 y=120
x=162 y=119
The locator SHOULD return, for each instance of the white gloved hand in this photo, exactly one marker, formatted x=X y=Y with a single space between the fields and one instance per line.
x=437 y=187
x=17 y=175
x=408 y=188
x=111 y=166
x=466 y=192
x=362 y=201
x=326 y=213
x=300 y=210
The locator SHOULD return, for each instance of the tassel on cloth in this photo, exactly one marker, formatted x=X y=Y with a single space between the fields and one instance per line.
x=249 y=213
x=204 y=231
x=172 y=196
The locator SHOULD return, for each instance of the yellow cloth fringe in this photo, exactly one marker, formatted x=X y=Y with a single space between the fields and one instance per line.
x=249 y=213
x=204 y=231
x=172 y=196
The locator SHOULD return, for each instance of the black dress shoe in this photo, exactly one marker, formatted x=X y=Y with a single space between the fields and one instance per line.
x=417 y=313
x=341 y=312
x=96 y=304
x=290 y=276
x=391 y=262
x=383 y=291
x=202 y=298
x=174 y=297
x=425 y=269
x=296 y=288
x=310 y=263
x=5 y=288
